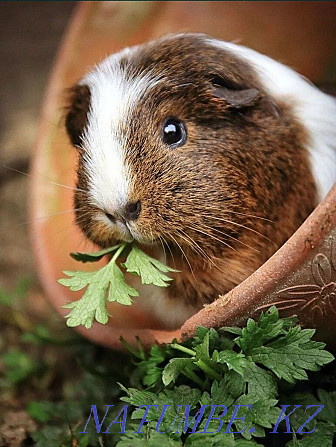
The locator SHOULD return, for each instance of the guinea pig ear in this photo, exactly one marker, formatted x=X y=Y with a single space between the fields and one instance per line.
x=77 y=112
x=234 y=96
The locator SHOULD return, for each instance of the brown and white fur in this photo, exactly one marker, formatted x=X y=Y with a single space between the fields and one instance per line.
x=260 y=152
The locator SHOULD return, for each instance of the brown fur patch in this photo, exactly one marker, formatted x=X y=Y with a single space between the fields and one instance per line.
x=77 y=112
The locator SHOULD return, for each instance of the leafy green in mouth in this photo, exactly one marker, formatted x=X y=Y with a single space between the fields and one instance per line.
x=108 y=283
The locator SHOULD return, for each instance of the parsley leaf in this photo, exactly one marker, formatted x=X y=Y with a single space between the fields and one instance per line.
x=228 y=371
x=93 y=257
x=175 y=367
x=290 y=355
x=108 y=283
x=256 y=333
x=149 y=269
x=235 y=361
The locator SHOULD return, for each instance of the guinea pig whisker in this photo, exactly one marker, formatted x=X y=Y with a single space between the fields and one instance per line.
x=237 y=250
x=170 y=250
x=212 y=237
x=252 y=215
x=45 y=179
x=183 y=253
x=240 y=225
x=38 y=219
x=225 y=244
x=196 y=247
x=190 y=244
x=231 y=237
x=163 y=249
x=152 y=236
x=83 y=216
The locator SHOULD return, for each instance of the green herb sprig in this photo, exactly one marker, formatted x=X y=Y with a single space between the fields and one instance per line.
x=215 y=367
x=108 y=283
x=258 y=365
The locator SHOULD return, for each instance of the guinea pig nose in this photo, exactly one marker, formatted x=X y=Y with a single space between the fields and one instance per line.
x=132 y=210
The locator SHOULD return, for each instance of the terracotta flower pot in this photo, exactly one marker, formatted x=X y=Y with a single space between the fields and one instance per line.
x=301 y=277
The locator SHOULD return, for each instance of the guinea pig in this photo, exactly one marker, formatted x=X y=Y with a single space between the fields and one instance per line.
x=206 y=153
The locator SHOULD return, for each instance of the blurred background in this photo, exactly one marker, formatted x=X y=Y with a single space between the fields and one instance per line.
x=30 y=33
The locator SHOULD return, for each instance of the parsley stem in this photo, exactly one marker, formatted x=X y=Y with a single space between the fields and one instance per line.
x=192 y=376
x=207 y=369
x=118 y=252
x=200 y=363
x=131 y=349
x=183 y=349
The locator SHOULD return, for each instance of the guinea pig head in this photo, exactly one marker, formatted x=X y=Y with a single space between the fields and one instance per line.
x=180 y=144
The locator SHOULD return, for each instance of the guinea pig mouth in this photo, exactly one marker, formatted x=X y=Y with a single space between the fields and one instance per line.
x=125 y=231
x=127 y=235
x=120 y=229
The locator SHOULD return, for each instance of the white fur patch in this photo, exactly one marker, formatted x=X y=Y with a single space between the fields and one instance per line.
x=114 y=94
x=171 y=313
x=313 y=108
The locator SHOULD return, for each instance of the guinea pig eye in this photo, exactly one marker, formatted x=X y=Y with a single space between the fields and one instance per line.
x=174 y=132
